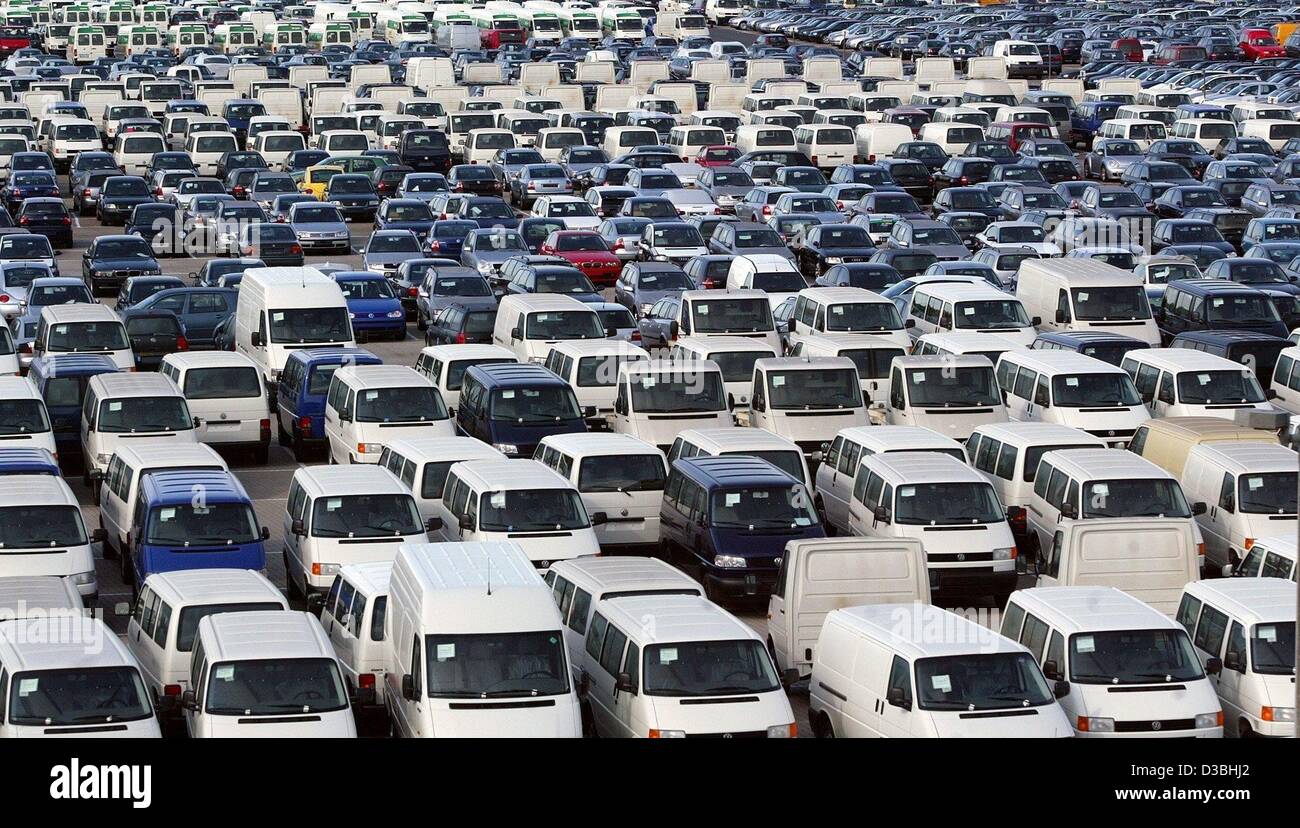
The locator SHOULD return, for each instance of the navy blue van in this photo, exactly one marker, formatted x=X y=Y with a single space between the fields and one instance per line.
x=61 y=380
x=1107 y=347
x=512 y=406
x=1257 y=350
x=173 y=529
x=1216 y=305
x=28 y=461
x=300 y=396
x=726 y=521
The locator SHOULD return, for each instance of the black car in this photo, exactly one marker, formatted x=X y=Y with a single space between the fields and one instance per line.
x=47 y=216
x=302 y=159
x=275 y=244
x=963 y=172
x=467 y=321
x=161 y=225
x=474 y=179
x=867 y=275
x=139 y=288
x=239 y=160
x=119 y=196
x=354 y=194
x=153 y=334
x=425 y=150
x=824 y=245
x=388 y=179
x=111 y=260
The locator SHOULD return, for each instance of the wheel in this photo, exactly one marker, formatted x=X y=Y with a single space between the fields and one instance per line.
x=124 y=569
x=421 y=324
x=110 y=552
x=290 y=583
x=822 y=728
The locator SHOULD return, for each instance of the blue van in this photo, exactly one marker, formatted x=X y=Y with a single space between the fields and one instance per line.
x=512 y=406
x=60 y=381
x=726 y=521
x=190 y=519
x=1257 y=350
x=28 y=461
x=300 y=396
x=1107 y=347
x=1087 y=117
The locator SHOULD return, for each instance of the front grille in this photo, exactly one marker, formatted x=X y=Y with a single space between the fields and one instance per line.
x=1112 y=433
x=744 y=734
x=1155 y=726
x=958 y=557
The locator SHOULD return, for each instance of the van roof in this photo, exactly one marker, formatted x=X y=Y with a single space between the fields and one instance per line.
x=1083 y=272
x=381 y=376
x=72 y=364
x=744 y=293
x=601 y=574
x=900 y=438
x=835 y=295
x=667 y=366
x=1104 y=463
x=370 y=577
x=178 y=487
x=1205 y=287
x=355 y=479
x=59 y=642
x=912 y=629
x=922 y=467
x=17 y=388
x=1284 y=545
x=1023 y=434
x=35 y=490
x=719 y=344
x=284 y=277
x=966 y=341
x=508 y=474
x=37 y=592
x=160 y=453
x=186 y=360
x=469 y=351
x=1072 y=609
x=1183 y=359
x=1252 y=600
x=1240 y=457
x=596 y=347
x=734 y=439
x=530 y=302
x=425 y=449
x=733 y=470
x=1052 y=362
x=497 y=374
x=279 y=634
x=1205 y=428
x=314 y=356
x=588 y=444
x=477 y=587
x=964 y=292
x=78 y=312
x=205 y=586
x=943 y=361
x=677 y=618
x=834 y=363
x=143 y=384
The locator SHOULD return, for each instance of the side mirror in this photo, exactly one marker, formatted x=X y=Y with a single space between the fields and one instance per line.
x=316 y=603
x=466 y=523
x=1233 y=661
x=910 y=323
x=408 y=687
x=516 y=334
x=98 y=536
x=1213 y=666
x=1061 y=689
x=1068 y=511
x=433 y=524
x=674 y=329
x=789 y=677
x=189 y=700
x=257 y=339
x=298 y=527
x=96 y=475
x=599 y=518
x=624 y=684
x=1227 y=570
x=1036 y=321
x=265 y=534
x=1198 y=508
x=1270 y=394
x=881 y=514
x=198 y=422
x=1052 y=670
x=897 y=699
x=1062 y=317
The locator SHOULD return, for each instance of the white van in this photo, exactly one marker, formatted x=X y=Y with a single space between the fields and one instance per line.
x=352 y=613
x=38 y=596
x=688 y=141
x=1143 y=133
x=164 y=622
x=618 y=476
x=1275 y=132
x=819 y=575
x=866 y=315
x=1131 y=672
x=774 y=274
x=44 y=533
x=620 y=140
x=952 y=136
x=285 y=309
x=949 y=306
x=134 y=150
x=528 y=324
x=827 y=145
x=951 y=395
x=807 y=400
x=517 y=500
x=876 y=141
x=960 y=343
x=24 y=420
x=1204 y=131
x=1250 y=489
x=1081 y=294
x=422 y=465
x=748 y=313
x=368 y=404
x=227 y=396
x=734 y=355
x=764 y=138
x=83 y=328
x=834 y=482
x=781 y=452
x=657 y=399
x=207 y=149
x=466 y=622
x=341 y=515
x=925 y=495
x=445 y=366
x=1181 y=382
x=871 y=354
x=590 y=367
x=1244 y=632
x=925 y=670
x=120 y=409
x=246 y=665
x=1271 y=557
x=63 y=674
x=1071 y=389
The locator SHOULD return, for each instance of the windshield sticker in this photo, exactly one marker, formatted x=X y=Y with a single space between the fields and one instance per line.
x=224 y=672
x=1085 y=644
x=941 y=683
x=667 y=655
x=446 y=652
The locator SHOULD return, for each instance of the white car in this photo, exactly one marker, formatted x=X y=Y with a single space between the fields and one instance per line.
x=576 y=213
x=1017 y=234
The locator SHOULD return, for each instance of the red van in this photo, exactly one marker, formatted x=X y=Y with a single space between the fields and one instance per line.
x=1258 y=44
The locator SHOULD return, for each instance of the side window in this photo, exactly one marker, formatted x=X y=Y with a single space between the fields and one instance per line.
x=1189 y=609
x=1063 y=306
x=1006 y=468
x=596 y=635
x=988 y=452
x=896 y=390
x=874 y=486
x=1210 y=631
x=901 y=677
x=1042 y=395
x=1056 y=651
x=417 y=669
x=631 y=664
x=860 y=485
x=611 y=655
x=1139 y=440
x=1033 y=636
x=581 y=606
x=1237 y=642
x=832 y=455
x=150 y=614
x=1166 y=394
x=161 y=626
x=1012 y=620
x=1056 y=488
x=358 y=614
x=849 y=457
x=1040 y=482
x=1024 y=388
x=1226 y=493
x=1006 y=375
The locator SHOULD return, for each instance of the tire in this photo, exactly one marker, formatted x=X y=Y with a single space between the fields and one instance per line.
x=110 y=552
x=124 y=569
x=421 y=324
x=282 y=436
x=299 y=449
x=290 y=584
x=822 y=728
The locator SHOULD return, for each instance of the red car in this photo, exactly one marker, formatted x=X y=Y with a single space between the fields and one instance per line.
x=1258 y=44
x=718 y=155
x=13 y=38
x=1131 y=47
x=587 y=251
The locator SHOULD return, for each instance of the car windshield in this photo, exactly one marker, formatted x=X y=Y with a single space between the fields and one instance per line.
x=580 y=241
x=1272 y=648
x=365 y=516
x=583 y=324
x=872 y=363
x=222 y=383
x=78 y=696
x=1085 y=390
x=31 y=527
x=543 y=404
x=125 y=249
x=324 y=214
x=25 y=247
x=186 y=524
x=1209 y=387
x=1242 y=310
x=815 y=389
x=532 y=510
x=677 y=236
x=22 y=276
x=948 y=504
x=780 y=281
x=459 y=286
x=1020 y=234
x=563 y=282
x=994 y=313
x=626 y=473
x=762 y=507
x=708 y=668
x=87 y=336
x=678 y=393
x=1159 y=274
x=1133 y=657
x=379 y=288
x=558 y=209
x=496 y=665
x=497 y=240
x=988 y=681
x=952 y=387
x=1272 y=493
x=763 y=237
x=136 y=415
x=160 y=325
x=403 y=404
x=1136 y=497
x=718 y=316
x=310 y=325
x=456 y=368
x=275 y=687
x=602 y=371
x=1260 y=271
x=1110 y=303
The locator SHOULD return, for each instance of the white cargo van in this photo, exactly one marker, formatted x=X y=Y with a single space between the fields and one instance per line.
x=1250 y=490
x=948 y=306
x=590 y=367
x=781 y=452
x=24 y=420
x=806 y=400
x=120 y=409
x=83 y=328
x=1181 y=382
x=657 y=399
x=1272 y=557
x=285 y=309
x=1081 y=294
x=445 y=366
x=1071 y=389
x=226 y=394
x=369 y=404
x=43 y=533
x=735 y=355
x=528 y=324
x=871 y=354
x=422 y=465
x=846 y=310
x=352 y=613
x=951 y=395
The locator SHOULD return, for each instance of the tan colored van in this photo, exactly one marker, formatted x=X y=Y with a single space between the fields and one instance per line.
x=1166 y=441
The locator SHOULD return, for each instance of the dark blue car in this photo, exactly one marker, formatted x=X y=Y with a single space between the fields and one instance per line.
x=446 y=238
x=373 y=304
x=300 y=394
x=200 y=310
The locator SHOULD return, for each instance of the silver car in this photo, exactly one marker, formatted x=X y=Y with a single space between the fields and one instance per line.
x=320 y=226
x=623 y=235
x=387 y=249
x=422 y=186
x=486 y=249
x=192 y=186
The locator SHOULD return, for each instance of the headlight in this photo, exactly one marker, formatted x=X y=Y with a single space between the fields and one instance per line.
x=506 y=448
x=325 y=569
x=1214 y=719
x=484 y=267
x=1096 y=725
x=834 y=260
x=83 y=578
x=369 y=448
x=1005 y=554
x=729 y=562
x=1274 y=714
x=397 y=314
x=785 y=731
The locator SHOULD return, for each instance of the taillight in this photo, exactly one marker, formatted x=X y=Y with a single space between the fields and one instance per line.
x=435 y=245
x=304 y=423
x=532 y=185
x=182 y=344
x=86 y=193
x=717 y=211
x=157 y=191
x=171 y=690
x=25 y=348
x=460 y=338
x=412 y=292
x=963 y=180
x=67 y=220
x=707 y=284
x=460 y=188
x=296 y=248
x=265 y=426
x=24 y=220
x=767 y=209
x=4 y=297
x=617 y=245
x=366 y=681
x=813 y=160
x=636 y=335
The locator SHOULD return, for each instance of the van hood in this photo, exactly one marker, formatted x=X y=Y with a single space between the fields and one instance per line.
x=335 y=725
x=1045 y=722
x=721 y=715
x=1136 y=702
x=554 y=717
x=761 y=546
x=543 y=547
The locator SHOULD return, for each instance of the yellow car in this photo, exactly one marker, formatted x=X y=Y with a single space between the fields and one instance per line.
x=315 y=179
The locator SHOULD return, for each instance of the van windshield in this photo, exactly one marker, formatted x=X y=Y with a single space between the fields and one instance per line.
x=532 y=510
x=947 y=504
x=989 y=681
x=1133 y=657
x=1085 y=390
x=1241 y=309
x=678 y=393
x=496 y=665
x=404 y=404
x=544 y=404
x=23 y=417
x=602 y=371
x=310 y=325
x=1105 y=303
x=78 y=696
x=732 y=315
x=708 y=668
x=826 y=388
x=737 y=366
x=271 y=687
x=582 y=324
x=188 y=627
x=84 y=337
x=222 y=383
x=790 y=462
x=365 y=516
x=952 y=387
x=780 y=508
x=863 y=316
x=32 y=527
x=1267 y=494
x=998 y=314
x=627 y=473
x=1272 y=648
x=213 y=523
x=133 y=415
x=1149 y=497
x=1209 y=387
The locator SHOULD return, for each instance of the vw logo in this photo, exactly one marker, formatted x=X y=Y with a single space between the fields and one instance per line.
x=623 y=512
x=544 y=565
x=776 y=562
x=1155 y=725
x=726 y=735
x=1110 y=433
x=223 y=415
x=961 y=556
x=372 y=316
